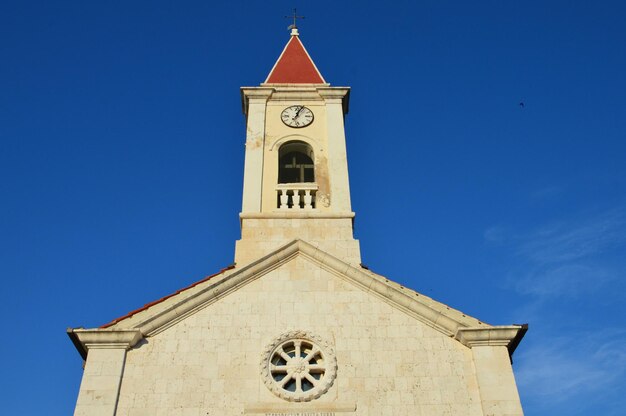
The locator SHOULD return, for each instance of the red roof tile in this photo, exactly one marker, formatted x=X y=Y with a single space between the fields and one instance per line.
x=147 y=305
x=294 y=66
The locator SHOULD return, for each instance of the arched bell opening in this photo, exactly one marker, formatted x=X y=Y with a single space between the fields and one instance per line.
x=295 y=163
x=296 y=176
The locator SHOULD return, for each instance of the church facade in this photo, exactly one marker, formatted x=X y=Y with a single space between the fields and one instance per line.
x=297 y=326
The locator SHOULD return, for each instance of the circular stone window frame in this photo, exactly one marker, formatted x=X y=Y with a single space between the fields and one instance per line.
x=300 y=367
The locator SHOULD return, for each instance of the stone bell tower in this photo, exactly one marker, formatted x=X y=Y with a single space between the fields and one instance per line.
x=296 y=171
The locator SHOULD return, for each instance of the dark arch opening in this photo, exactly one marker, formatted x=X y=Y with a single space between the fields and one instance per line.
x=295 y=163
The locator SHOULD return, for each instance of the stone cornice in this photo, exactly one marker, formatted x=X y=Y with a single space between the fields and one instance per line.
x=336 y=94
x=296 y=214
x=107 y=338
x=290 y=92
x=432 y=313
x=254 y=93
x=467 y=330
x=281 y=86
x=505 y=336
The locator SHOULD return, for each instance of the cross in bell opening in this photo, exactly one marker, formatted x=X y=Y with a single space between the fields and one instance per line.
x=294 y=17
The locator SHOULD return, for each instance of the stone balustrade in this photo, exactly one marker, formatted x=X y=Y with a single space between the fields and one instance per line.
x=296 y=195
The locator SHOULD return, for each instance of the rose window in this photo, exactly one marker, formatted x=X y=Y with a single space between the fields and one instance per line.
x=299 y=366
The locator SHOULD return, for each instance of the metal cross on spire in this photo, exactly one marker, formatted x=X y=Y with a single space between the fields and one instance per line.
x=294 y=17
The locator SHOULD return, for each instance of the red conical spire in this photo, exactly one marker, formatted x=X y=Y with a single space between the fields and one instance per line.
x=294 y=65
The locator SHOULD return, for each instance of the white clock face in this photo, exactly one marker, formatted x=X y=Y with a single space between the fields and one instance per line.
x=297 y=116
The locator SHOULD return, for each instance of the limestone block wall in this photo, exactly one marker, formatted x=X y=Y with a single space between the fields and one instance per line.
x=388 y=362
x=261 y=236
x=101 y=382
x=496 y=381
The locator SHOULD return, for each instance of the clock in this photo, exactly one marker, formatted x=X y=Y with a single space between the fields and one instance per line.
x=297 y=116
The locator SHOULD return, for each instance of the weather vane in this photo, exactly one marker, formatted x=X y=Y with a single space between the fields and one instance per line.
x=294 y=17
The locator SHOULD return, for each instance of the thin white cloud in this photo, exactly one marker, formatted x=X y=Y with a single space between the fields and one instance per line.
x=495 y=234
x=550 y=373
x=577 y=366
x=569 y=280
x=573 y=240
x=562 y=259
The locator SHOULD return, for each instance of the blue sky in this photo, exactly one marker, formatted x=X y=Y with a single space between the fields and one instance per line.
x=121 y=157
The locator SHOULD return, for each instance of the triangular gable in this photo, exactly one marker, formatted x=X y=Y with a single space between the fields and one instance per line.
x=158 y=316
x=294 y=66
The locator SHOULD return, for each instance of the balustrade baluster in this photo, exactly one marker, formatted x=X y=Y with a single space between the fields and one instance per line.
x=307 y=199
x=284 y=199
x=296 y=196
x=296 y=199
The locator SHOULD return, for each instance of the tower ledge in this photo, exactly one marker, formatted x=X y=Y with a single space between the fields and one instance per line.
x=294 y=92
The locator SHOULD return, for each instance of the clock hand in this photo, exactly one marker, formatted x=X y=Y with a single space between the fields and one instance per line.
x=297 y=113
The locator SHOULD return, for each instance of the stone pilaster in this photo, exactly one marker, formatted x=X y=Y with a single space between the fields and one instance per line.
x=104 y=367
x=255 y=101
x=494 y=374
x=337 y=155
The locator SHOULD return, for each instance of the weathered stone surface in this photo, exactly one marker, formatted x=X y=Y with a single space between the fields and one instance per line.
x=260 y=236
x=388 y=363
